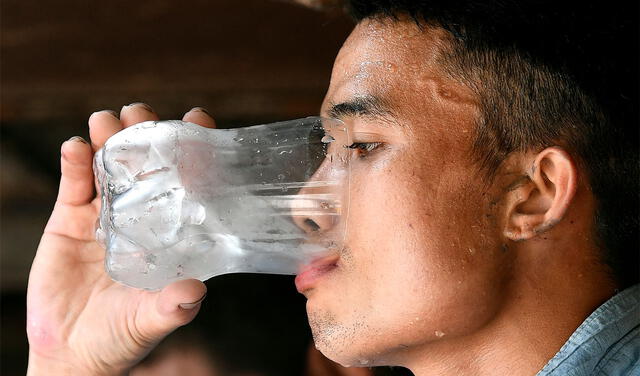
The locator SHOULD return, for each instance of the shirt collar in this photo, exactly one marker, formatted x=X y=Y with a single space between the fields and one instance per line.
x=598 y=334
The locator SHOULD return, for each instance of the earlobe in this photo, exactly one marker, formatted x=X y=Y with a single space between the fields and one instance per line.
x=537 y=201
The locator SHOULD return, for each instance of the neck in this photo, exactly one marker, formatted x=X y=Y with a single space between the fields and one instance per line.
x=548 y=298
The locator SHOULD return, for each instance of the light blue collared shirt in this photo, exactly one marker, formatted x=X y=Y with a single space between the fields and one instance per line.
x=606 y=343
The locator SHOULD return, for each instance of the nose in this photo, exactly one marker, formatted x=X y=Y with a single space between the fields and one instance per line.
x=316 y=208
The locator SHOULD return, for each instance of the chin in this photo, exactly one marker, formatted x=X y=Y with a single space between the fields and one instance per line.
x=348 y=344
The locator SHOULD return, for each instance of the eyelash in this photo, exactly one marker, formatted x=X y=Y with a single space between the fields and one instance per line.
x=364 y=148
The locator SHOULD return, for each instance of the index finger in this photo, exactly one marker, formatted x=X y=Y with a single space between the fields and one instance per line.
x=200 y=116
x=102 y=125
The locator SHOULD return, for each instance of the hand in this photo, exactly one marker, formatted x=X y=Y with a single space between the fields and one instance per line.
x=79 y=321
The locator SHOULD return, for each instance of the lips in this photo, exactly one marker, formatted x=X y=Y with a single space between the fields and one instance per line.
x=310 y=274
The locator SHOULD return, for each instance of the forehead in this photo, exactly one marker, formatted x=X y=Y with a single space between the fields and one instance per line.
x=381 y=54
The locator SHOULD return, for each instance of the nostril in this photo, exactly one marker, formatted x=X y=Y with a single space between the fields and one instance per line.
x=313 y=226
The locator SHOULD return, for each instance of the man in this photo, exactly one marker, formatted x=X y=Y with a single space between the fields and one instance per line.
x=493 y=215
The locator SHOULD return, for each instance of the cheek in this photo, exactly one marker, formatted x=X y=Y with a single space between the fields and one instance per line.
x=387 y=233
x=423 y=245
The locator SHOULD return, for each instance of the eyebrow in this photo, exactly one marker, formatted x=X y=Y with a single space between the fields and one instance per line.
x=366 y=106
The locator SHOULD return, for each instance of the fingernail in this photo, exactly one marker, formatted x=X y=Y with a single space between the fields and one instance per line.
x=140 y=104
x=78 y=139
x=194 y=304
x=110 y=112
x=200 y=109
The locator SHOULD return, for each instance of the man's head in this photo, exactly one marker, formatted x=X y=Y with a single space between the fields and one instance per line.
x=476 y=175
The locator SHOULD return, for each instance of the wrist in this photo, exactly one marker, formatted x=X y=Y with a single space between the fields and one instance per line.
x=39 y=365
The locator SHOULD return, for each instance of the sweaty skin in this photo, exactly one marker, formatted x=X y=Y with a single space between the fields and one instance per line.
x=432 y=277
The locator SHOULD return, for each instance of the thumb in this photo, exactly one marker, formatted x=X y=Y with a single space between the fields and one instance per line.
x=174 y=306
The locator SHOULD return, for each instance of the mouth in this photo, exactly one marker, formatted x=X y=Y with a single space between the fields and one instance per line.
x=310 y=275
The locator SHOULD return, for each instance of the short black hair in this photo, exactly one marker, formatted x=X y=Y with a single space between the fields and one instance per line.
x=549 y=73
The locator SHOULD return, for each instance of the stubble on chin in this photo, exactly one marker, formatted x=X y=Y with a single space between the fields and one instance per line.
x=338 y=341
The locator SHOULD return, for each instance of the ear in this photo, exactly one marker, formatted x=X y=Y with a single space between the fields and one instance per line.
x=539 y=201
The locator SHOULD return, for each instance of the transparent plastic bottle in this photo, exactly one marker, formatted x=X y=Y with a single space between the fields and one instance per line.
x=183 y=201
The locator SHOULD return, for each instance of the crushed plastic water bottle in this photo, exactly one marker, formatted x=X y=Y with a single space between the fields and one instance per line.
x=182 y=201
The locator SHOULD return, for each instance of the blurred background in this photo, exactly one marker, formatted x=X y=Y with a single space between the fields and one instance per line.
x=247 y=62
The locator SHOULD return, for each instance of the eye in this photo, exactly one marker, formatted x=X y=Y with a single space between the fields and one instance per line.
x=364 y=148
